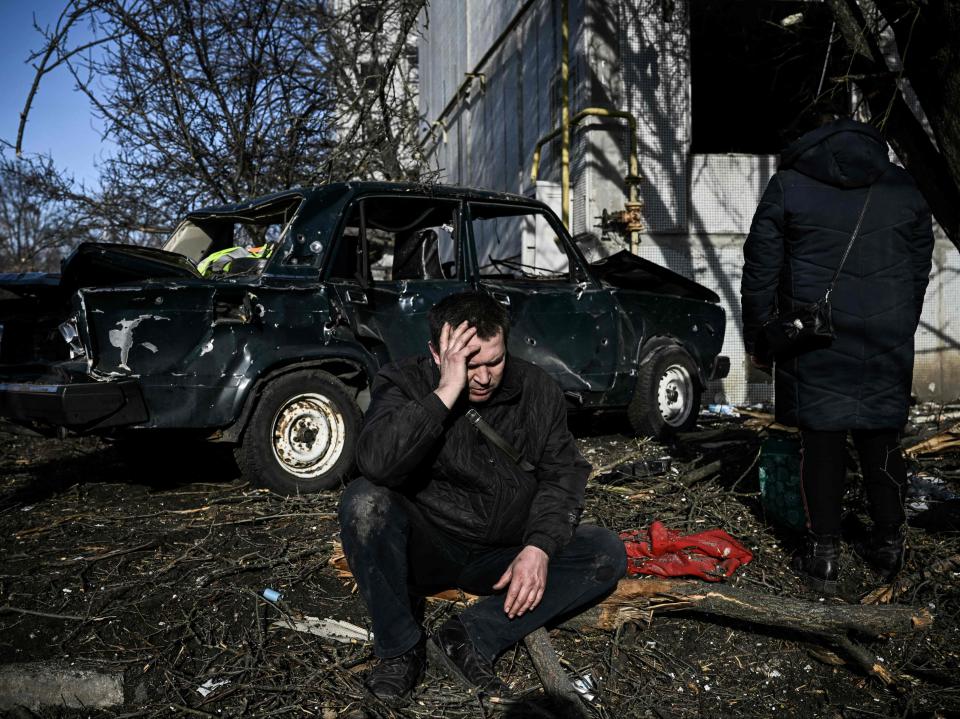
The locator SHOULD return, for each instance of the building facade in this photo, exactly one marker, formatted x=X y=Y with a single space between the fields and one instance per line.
x=701 y=95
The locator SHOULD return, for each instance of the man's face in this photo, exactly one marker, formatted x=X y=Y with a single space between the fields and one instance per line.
x=485 y=368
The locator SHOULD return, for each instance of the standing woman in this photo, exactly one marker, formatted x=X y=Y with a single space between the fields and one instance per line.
x=860 y=382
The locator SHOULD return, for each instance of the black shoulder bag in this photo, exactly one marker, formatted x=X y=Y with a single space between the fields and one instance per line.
x=808 y=326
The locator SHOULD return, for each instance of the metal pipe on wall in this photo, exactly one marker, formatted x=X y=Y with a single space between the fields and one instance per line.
x=566 y=121
x=476 y=72
x=565 y=112
x=633 y=160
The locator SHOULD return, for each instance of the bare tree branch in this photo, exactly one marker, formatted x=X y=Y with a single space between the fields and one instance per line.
x=218 y=101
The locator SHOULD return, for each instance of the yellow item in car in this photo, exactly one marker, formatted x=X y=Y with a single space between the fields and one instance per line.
x=220 y=261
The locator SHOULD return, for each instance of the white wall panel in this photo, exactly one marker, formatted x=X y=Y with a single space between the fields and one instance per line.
x=724 y=190
x=655 y=54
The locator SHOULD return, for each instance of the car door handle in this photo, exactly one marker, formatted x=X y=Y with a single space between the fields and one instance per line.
x=501 y=297
x=357 y=297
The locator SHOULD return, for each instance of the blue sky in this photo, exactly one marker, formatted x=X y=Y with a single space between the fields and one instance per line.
x=61 y=122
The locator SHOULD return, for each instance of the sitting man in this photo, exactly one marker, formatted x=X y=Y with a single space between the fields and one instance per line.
x=442 y=504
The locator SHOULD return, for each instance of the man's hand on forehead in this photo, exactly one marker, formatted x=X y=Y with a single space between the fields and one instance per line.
x=462 y=334
x=457 y=345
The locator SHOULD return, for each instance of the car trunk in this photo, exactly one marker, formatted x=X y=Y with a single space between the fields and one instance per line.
x=33 y=306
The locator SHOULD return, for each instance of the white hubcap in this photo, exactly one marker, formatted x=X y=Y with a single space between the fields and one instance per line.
x=675 y=395
x=308 y=435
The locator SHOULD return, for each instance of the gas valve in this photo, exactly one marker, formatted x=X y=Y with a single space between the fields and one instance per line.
x=623 y=222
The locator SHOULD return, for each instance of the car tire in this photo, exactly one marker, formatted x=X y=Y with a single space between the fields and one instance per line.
x=667 y=397
x=302 y=435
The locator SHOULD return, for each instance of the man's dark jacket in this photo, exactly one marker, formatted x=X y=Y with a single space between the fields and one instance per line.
x=797 y=239
x=463 y=484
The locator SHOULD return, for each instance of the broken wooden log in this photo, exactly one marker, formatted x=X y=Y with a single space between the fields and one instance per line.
x=942 y=442
x=554 y=679
x=40 y=685
x=823 y=618
x=638 y=599
x=763 y=420
x=699 y=474
x=622 y=459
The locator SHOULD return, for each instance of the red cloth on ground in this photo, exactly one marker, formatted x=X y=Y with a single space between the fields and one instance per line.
x=710 y=555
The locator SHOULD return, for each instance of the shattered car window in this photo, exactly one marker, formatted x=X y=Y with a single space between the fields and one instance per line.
x=231 y=243
x=406 y=239
x=517 y=243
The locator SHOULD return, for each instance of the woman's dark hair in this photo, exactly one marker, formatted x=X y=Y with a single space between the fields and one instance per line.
x=477 y=309
x=821 y=111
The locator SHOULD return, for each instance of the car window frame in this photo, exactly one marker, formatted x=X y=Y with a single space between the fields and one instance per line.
x=577 y=272
x=362 y=275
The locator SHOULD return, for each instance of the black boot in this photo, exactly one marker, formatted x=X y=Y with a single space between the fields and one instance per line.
x=452 y=647
x=394 y=678
x=818 y=563
x=883 y=549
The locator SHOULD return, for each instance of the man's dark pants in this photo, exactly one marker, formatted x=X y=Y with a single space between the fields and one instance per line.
x=394 y=550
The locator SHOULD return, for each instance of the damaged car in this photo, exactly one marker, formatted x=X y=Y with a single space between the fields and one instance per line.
x=261 y=325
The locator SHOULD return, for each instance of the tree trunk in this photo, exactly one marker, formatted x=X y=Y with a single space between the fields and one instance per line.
x=936 y=171
x=821 y=618
x=927 y=41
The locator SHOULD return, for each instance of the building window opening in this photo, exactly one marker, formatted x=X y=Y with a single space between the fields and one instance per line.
x=756 y=69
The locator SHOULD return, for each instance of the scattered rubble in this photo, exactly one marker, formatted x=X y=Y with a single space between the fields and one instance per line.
x=161 y=581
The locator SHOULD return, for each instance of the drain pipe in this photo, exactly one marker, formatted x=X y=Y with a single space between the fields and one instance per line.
x=565 y=112
x=476 y=73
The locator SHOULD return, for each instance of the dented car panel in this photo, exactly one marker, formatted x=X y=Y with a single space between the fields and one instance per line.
x=281 y=346
x=571 y=332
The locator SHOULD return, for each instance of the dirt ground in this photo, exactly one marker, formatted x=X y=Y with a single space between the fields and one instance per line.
x=152 y=562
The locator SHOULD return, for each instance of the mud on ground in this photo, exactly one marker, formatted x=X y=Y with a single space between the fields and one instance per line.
x=152 y=563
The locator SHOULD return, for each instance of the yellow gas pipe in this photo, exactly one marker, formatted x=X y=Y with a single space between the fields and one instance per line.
x=633 y=205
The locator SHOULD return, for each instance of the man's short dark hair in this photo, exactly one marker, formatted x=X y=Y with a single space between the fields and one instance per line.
x=478 y=309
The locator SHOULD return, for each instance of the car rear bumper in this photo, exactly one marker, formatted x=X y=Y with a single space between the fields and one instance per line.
x=82 y=406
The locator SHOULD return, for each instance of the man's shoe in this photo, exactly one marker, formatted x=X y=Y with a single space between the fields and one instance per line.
x=883 y=549
x=453 y=648
x=394 y=678
x=818 y=563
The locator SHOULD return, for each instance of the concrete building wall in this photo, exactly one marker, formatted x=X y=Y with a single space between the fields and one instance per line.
x=629 y=55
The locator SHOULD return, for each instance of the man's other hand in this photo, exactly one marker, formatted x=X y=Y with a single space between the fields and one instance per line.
x=527 y=578
x=457 y=345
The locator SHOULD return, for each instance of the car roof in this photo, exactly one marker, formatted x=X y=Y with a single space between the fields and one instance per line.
x=357 y=188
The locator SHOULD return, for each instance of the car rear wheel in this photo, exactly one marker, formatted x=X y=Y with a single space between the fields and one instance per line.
x=667 y=397
x=302 y=435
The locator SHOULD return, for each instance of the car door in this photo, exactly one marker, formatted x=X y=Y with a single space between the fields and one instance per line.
x=561 y=318
x=396 y=256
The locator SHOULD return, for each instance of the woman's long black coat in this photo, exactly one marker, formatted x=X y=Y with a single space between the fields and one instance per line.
x=799 y=233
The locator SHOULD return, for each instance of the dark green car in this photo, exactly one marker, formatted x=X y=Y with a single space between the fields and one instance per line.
x=263 y=324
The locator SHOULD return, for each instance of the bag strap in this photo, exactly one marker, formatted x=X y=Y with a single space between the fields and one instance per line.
x=495 y=439
x=853 y=237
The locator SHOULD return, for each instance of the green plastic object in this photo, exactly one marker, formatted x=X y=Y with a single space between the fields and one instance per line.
x=780 y=481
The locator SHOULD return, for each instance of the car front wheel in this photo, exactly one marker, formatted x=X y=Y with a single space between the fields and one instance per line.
x=667 y=397
x=302 y=435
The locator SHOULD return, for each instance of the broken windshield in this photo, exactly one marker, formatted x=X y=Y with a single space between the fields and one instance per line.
x=228 y=242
